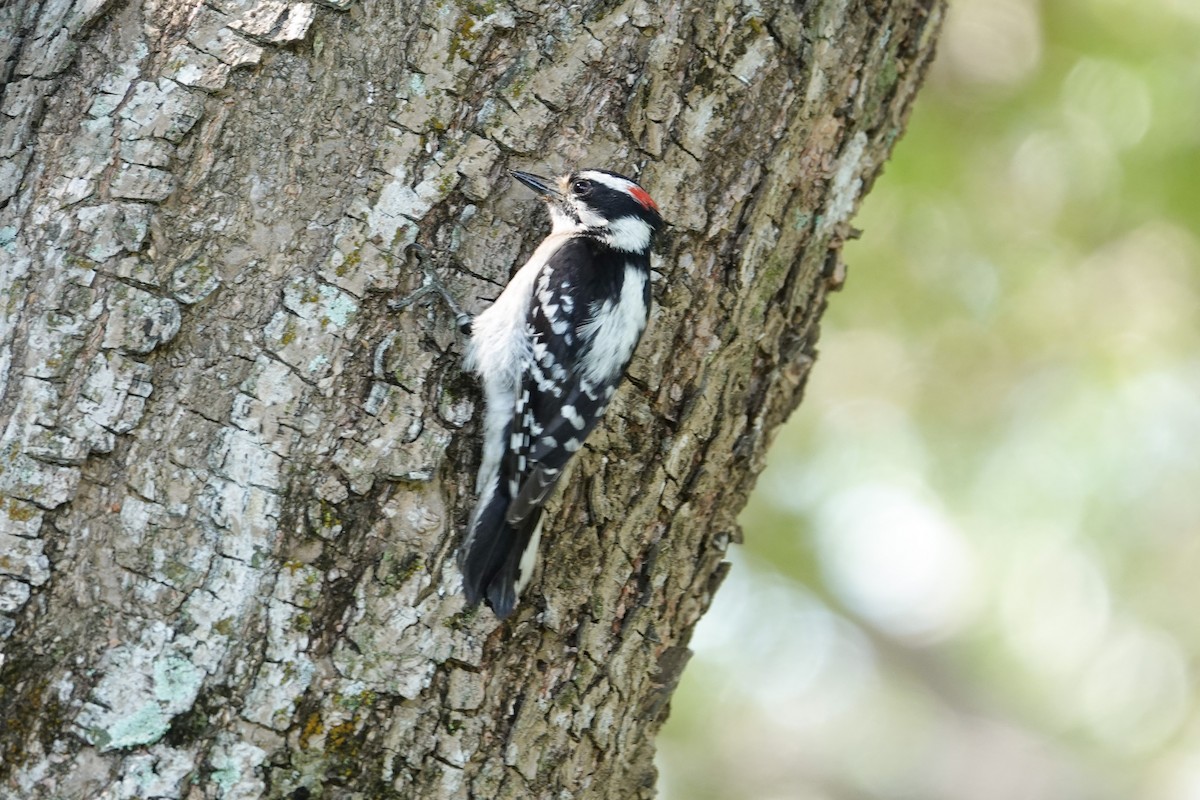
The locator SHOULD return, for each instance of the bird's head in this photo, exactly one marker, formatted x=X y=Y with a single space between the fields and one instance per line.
x=599 y=203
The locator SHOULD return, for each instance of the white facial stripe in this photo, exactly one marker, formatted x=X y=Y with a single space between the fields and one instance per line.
x=617 y=184
x=630 y=234
x=587 y=215
x=584 y=219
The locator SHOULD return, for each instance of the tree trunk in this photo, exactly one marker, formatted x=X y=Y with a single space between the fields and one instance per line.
x=234 y=481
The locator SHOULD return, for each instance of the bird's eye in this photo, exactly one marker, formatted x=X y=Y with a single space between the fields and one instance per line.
x=581 y=186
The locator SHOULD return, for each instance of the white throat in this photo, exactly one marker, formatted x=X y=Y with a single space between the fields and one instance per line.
x=563 y=223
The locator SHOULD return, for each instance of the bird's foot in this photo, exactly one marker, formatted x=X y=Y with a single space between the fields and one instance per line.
x=431 y=286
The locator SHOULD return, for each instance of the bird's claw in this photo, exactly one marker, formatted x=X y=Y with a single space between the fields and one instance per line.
x=462 y=320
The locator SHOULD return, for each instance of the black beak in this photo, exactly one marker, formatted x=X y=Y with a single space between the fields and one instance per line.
x=536 y=182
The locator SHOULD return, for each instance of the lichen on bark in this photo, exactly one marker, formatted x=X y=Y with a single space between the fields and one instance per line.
x=233 y=481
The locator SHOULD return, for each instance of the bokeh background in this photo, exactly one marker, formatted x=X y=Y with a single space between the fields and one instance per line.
x=972 y=568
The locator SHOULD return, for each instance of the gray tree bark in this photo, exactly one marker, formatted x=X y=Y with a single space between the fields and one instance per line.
x=233 y=482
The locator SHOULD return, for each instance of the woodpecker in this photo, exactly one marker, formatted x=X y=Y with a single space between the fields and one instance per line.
x=550 y=352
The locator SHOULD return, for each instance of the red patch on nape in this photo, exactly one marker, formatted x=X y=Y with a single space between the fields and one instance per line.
x=640 y=194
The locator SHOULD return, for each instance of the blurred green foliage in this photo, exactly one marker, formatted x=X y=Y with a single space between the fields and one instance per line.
x=971 y=567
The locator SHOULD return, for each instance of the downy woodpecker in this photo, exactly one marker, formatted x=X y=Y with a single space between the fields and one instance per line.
x=550 y=352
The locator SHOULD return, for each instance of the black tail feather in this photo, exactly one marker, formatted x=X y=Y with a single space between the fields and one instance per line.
x=490 y=560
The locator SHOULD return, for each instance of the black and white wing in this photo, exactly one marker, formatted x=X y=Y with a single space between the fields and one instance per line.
x=582 y=342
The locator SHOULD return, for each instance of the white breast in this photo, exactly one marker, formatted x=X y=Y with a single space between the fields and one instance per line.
x=615 y=328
